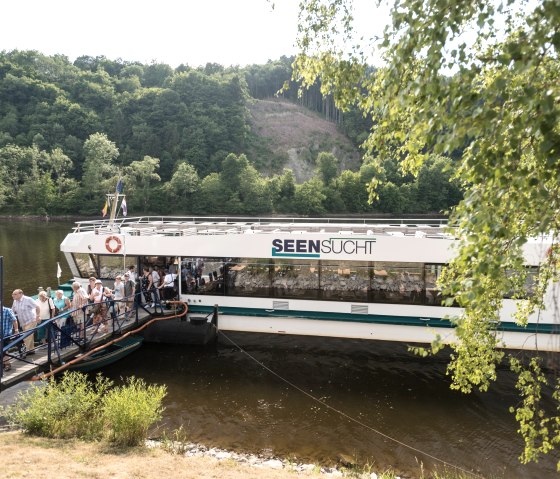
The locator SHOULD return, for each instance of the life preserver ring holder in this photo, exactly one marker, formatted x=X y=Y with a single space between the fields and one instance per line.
x=113 y=244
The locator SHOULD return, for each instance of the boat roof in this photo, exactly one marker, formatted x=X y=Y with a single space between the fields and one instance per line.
x=186 y=226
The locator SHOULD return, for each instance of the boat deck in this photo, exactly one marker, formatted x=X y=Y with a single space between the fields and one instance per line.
x=187 y=226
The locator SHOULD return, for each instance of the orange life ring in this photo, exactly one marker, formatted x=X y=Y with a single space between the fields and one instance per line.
x=110 y=248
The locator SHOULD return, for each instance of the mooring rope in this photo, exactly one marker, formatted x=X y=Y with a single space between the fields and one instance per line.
x=40 y=377
x=350 y=418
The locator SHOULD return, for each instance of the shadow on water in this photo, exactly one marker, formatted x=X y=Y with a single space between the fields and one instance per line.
x=224 y=398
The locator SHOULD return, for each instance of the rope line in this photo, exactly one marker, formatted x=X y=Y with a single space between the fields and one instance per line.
x=350 y=418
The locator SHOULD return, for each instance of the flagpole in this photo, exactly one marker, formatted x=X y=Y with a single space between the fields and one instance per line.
x=115 y=196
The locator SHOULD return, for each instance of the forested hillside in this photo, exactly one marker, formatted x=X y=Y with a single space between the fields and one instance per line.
x=187 y=141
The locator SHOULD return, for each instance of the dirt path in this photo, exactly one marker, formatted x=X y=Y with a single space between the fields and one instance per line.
x=30 y=457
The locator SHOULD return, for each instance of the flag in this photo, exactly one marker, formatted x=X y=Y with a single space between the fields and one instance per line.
x=58 y=270
x=123 y=207
x=120 y=186
x=105 y=208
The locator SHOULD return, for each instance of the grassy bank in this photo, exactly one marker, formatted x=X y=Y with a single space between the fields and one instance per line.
x=40 y=458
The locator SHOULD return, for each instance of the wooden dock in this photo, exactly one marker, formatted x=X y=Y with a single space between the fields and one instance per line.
x=33 y=364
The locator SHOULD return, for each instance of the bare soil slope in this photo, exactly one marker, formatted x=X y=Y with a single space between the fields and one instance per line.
x=299 y=135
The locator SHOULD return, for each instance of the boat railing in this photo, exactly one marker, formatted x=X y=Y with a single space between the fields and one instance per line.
x=187 y=226
x=60 y=338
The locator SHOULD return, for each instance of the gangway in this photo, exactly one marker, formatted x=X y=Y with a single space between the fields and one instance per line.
x=64 y=348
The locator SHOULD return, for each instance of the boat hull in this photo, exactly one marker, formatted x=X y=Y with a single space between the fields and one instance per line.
x=104 y=358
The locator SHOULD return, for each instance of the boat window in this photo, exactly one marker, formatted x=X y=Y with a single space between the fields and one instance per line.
x=86 y=264
x=296 y=278
x=202 y=275
x=249 y=276
x=346 y=281
x=394 y=282
x=432 y=272
x=111 y=266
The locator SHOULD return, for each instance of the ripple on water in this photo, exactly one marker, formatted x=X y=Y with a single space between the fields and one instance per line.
x=223 y=398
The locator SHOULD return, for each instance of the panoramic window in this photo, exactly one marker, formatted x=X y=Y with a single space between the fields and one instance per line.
x=249 y=276
x=202 y=276
x=398 y=283
x=85 y=264
x=111 y=266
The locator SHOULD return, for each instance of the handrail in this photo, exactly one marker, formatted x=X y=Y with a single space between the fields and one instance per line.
x=50 y=324
x=265 y=220
x=61 y=368
x=179 y=225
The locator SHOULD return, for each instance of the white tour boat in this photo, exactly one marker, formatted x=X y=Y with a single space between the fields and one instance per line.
x=369 y=279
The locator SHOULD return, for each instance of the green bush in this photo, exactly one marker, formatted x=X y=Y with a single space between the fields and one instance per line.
x=130 y=410
x=64 y=408
x=73 y=406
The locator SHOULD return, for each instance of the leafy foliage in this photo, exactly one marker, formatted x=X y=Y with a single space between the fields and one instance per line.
x=487 y=102
x=69 y=130
x=129 y=411
x=63 y=408
x=74 y=406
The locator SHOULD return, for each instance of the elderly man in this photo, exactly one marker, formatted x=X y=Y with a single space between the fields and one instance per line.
x=9 y=326
x=27 y=312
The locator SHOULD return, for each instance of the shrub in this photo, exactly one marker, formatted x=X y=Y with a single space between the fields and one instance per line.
x=64 y=408
x=129 y=410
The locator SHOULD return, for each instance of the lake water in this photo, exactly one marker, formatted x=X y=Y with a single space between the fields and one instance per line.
x=224 y=398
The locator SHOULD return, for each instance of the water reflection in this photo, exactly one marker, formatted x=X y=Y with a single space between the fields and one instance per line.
x=31 y=250
x=225 y=399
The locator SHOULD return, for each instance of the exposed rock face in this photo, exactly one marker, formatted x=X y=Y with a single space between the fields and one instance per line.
x=299 y=135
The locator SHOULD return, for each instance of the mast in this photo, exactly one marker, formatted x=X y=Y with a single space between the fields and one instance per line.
x=113 y=198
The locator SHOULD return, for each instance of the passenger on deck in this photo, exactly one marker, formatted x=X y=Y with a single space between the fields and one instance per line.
x=61 y=303
x=167 y=287
x=46 y=312
x=156 y=279
x=79 y=300
x=146 y=285
x=97 y=297
x=129 y=289
x=132 y=272
x=118 y=293
x=9 y=327
x=27 y=312
x=91 y=285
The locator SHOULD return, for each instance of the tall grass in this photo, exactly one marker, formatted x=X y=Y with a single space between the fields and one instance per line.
x=130 y=410
x=74 y=407
x=63 y=408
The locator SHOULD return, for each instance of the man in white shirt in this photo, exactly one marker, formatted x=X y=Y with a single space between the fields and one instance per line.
x=132 y=273
x=27 y=312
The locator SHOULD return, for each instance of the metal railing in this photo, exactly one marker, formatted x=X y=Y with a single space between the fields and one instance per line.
x=179 y=225
x=80 y=334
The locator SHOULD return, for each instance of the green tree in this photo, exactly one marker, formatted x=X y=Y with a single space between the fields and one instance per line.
x=99 y=170
x=327 y=166
x=141 y=178
x=60 y=167
x=309 y=197
x=183 y=185
x=500 y=105
x=21 y=166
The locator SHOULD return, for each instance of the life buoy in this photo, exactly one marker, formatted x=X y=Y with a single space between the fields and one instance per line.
x=110 y=244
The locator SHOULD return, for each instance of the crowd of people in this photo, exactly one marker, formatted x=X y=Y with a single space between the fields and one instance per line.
x=154 y=284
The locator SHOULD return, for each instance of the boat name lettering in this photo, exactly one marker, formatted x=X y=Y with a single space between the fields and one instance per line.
x=298 y=248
